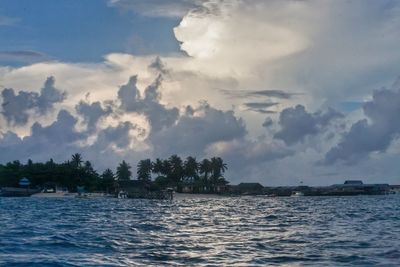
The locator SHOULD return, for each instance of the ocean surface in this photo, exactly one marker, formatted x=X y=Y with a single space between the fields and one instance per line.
x=201 y=231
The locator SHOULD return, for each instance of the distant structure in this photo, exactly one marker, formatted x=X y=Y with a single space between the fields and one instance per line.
x=24 y=182
x=142 y=189
x=247 y=189
x=348 y=188
x=353 y=182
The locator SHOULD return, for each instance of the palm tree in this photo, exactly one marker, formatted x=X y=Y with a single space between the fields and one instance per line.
x=144 y=170
x=205 y=168
x=157 y=166
x=108 y=180
x=166 y=168
x=191 y=168
x=218 y=167
x=123 y=171
x=176 y=168
x=76 y=160
x=108 y=175
x=88 y=167
x=222 y=165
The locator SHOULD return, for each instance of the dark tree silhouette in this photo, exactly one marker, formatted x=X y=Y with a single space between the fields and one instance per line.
x=172 y=173
x=218 y=167
x=144 y=170
x=205 y=168
x=108 y=175
x=108 y=180
x=176 y=168
x=124 y=171
x=157 y=167
x=191 y=168
x=76 y=160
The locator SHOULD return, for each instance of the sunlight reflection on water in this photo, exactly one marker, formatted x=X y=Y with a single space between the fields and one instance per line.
x=247 y=231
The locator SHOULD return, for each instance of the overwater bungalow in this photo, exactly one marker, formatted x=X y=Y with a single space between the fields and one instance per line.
x=142 y=189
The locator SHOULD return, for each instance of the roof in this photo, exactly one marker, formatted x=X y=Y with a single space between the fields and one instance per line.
x=355 y=182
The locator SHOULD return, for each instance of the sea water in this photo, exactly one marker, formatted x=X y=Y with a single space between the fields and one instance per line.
x=198 y=231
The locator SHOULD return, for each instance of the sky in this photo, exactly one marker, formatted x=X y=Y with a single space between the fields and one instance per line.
x=286 y=92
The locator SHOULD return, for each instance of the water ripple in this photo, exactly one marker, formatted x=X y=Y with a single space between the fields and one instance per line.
x=241 y=231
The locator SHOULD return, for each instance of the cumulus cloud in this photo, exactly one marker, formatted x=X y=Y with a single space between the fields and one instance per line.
x=244 y=156
x=296 y=123
x=16 y=107
x=58 y=138
x=119 y=137
x=243 y=152
x=92 y=112
x=158 y=114
x=170 y=131
x=374 y=134
x=49 y=95
x=268 y=122
x=193 y=132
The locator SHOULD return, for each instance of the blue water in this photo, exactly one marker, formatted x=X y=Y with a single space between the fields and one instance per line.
x=244 y=231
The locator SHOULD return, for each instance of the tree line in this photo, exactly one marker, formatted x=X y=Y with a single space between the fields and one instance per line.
x=172 y=172
x=203 y=176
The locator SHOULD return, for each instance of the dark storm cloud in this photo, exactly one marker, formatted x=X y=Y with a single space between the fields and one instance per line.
x=129 y=95
x=158 y=66
x=158 y=115
x=118 y=136
x=272 y=93
x=192 y=134
x=49 y=95
x=263 y=111
x=256 y=105
x=58 y=138
x=243 y=154
x=91 y=113
x=152 y=94
x=296 y=123
x=260 y=107
x=267 y=122
x=372 y=135
x=279 y=94
x=16 y=107
x=61 y=139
